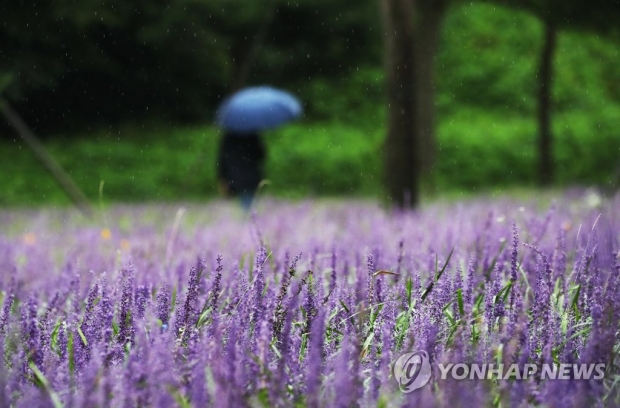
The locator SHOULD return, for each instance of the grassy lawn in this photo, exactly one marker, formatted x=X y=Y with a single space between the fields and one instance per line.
x=478 y=151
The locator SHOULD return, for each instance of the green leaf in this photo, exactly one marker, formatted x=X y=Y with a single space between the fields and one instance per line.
x=334 y=314
x=203 y=318
x=115 y=328
x=54 y=337
x=181 y=400
x=503 y=293
x=42 y=381
x=409 y=287
x=402 y=319
x=346 y=309
x=444 y=265
x=304 y=345
x=275 y=349
x=303 y=312
x=263 y=397
x=448 y=313
x=499 y=353
x=453 y=330
x=611 y=388
x=487 y=273
x=574 y=300
x=337 y=332
x=84 y=341
x=173 y=300
x=71 y=352
x=429 y=288
x=402 y=325
x=459 y=300
x=367 y=344
x=478 y=302
x=527 y=281
x=557 y=292
x=579 y=333
x=375 y=313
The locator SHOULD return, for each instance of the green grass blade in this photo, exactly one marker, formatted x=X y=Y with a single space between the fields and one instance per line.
x=82 y=337
x=40 y=378
x=459 y=301
x=429 y=288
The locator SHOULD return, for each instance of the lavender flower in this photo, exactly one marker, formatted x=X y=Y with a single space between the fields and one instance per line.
x=217 y=288
x=6 y=313
x=315 y=362
x=370 y=291
x=280 y=311
x=142 y=299
x=329 y=336
x=163 y=306
x=126 y=327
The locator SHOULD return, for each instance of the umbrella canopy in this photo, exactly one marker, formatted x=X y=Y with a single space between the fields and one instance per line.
x=257 y=108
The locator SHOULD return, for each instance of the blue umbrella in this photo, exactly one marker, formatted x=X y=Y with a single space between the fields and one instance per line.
x=257 y=108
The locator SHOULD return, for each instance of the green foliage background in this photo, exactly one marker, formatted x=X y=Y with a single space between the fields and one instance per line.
x=327 y=52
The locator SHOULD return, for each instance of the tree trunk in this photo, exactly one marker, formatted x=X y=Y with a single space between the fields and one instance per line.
x=400 y=158
x=545 y=76
x=65 y=182
x=430 y=14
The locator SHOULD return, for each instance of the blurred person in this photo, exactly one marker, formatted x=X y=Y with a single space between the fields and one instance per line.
x=240 y=166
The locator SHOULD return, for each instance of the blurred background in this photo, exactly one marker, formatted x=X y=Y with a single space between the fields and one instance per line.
x=126 y=92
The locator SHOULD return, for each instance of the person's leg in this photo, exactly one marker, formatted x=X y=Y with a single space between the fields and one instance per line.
x=246 y=200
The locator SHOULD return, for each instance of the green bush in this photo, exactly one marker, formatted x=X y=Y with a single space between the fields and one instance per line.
x=477 y=150
x=587 y=149
x=324 y=158
x=134 y=162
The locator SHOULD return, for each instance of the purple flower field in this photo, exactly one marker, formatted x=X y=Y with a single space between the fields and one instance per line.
x=309 y=304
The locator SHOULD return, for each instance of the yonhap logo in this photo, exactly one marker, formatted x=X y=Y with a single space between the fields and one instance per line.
x=412 y=371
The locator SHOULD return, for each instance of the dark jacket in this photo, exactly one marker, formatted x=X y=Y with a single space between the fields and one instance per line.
x=240 y=162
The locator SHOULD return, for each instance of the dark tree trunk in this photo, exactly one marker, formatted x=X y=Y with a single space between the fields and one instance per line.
x=64 y=180
x=400 y=158
x=430 y=14
x=545 y=76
